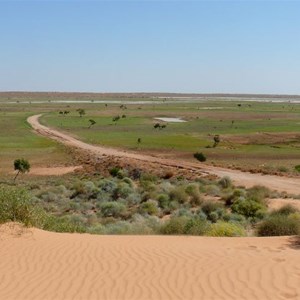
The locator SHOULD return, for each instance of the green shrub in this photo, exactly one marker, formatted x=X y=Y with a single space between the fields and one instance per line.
x=233 y=196
x=225 y=182
x=277 y=225
x=114 y=171
x=210 y=206
x=62 y=224
x=225 y=229
x=121 y=227
x=196 y=226
x=123 y=190
x=178 y=194
x=258 y=193
x=96 y=229
x=107 y=185
x=16 y=205
x=200 y=156
x=283 y=169
x=163 y=200
x=212 y=190
x=193 y=191
x=285 y=210
x=297 y=168
x=149 y=207
x=248 y=208
x=235 y=218
x=176 y=225
x=112 y=209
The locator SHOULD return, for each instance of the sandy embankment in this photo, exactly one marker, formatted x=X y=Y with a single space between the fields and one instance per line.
x=40 y=265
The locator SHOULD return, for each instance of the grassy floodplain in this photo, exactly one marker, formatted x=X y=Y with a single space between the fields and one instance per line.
x=254 y=135
x=260 y=135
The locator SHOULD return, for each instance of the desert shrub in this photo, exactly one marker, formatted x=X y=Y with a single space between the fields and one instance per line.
x=48 y=196
x=144 y=224
x=84 y=189
x=114 y=171
x=149 y=207
x=225 y=182
x=148 y=177
x=212 y=190
x=135 y=174
x=225 y=229
x=163 y=200
x=134 y=198
x=297 y=168
x=92 y=220
x=112 y=209
x=96 y=229
x=176 y=225
x=173 y=205
x=285 y=210
x=283 y=169
x=107 y=185
x=234 y=218
x=62 y=224
x=234 y=195
x=121 y=227
x=16 y=205
x=200 y=156
x=201 y=215
x=123 y=190
x=295 y=216
x=178 y=194
x=182 y=212
x=128 y=181
x=193 y=191
x=248 y=208
x=258 y=193
x=210 y=206
x=278 y=224
x=196 y=226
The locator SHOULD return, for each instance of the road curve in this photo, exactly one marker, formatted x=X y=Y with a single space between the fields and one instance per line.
x=281 y=184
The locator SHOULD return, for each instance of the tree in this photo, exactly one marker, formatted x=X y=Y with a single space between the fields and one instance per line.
x=22 y=166
x=200 y=156
x=81 y=112
x=216 y=140
x=92 y=122
x=139 y=140
x=115 y=119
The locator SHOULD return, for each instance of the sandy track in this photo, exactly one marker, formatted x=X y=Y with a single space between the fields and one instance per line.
x=281 y=184
x=44 y=265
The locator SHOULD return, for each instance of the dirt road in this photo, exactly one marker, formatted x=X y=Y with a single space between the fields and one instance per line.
x=281 y=184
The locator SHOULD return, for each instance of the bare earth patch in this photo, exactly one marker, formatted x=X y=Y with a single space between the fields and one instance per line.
x=53 y=171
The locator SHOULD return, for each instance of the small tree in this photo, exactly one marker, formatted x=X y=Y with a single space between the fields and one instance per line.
x=81 y=112
x=92 y=122
x=216 y=140
x=116 y=119
x=22 y=166
x=200 y=156
x=139 y=140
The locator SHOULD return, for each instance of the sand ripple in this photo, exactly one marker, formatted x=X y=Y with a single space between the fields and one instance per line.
x=44 y=265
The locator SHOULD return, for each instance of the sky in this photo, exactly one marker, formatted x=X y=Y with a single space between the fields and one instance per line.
x=150 y=46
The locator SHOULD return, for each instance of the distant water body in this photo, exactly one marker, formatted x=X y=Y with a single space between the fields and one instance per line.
x=161 y=100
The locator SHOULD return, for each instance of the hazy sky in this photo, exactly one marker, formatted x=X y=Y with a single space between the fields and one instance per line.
x=151 y=46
